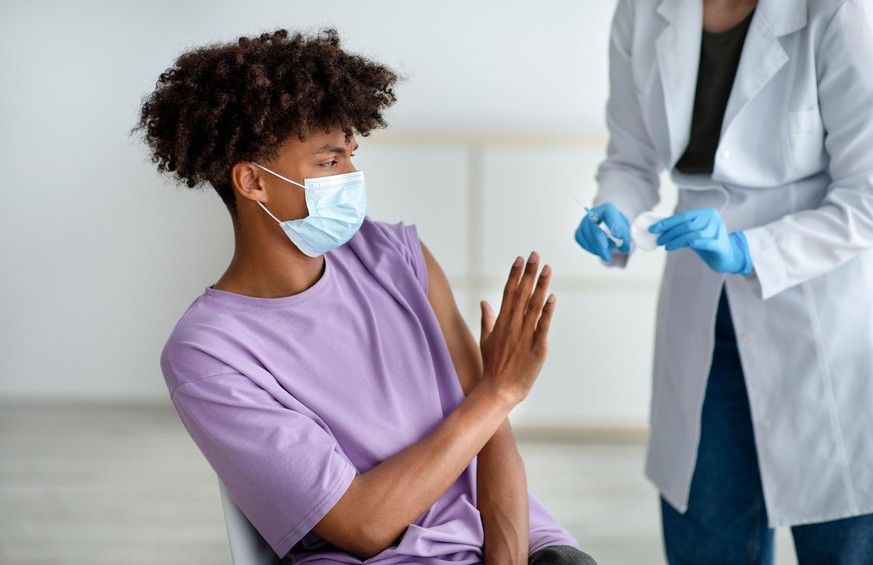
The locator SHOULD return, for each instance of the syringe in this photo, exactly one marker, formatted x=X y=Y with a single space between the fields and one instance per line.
x=598 y=221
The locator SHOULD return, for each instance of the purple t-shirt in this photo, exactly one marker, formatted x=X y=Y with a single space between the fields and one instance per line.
x=290 y=398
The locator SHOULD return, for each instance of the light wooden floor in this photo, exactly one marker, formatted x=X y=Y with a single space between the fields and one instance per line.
x=99 y=484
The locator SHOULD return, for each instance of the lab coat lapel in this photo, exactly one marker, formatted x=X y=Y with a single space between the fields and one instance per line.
x=678 y=52
x=763 y=55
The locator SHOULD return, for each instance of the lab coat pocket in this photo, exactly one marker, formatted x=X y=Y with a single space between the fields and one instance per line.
x=806 y=135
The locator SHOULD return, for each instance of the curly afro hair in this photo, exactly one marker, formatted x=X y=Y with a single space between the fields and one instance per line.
x=221 y=104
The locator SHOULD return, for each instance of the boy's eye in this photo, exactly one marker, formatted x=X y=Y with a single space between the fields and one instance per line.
x=333 y=162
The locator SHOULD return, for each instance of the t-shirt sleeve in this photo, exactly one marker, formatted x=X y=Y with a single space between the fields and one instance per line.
x=415 y=254
x=545 y=530
x=281 y=467
x=404 y=240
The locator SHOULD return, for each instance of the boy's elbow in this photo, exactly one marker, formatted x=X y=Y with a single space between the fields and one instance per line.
x=372 y=539
x=360 y=524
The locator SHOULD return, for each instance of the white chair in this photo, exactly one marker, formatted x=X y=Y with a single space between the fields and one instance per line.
x=247 y=547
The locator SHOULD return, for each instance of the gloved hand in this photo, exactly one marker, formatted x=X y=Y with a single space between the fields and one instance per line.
x=593 y=240
x=704 y=231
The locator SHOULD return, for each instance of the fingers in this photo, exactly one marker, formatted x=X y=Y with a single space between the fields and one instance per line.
x=525 y=300
x=603 y=249
x=617 y=222
x=514 y=344
x=704 y=230
x=525 y=287
x=590 y=237
x=704 y=245
x=592 y=240
x=698 y=228
x=488 y=320
x=541 y=336
x=524 y=296
x=619 y=227
x=612 y=248
x=509 y=291
x=677 y=219
x=625 y=245
x=683 y=241
x=599 y=241
x=538 y=300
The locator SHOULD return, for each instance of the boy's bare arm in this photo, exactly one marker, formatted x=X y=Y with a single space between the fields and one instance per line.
x=501 y=481
x=380 y=504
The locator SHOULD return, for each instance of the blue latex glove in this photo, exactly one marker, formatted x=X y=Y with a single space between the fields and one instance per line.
x=593 y=240
x=704 y=231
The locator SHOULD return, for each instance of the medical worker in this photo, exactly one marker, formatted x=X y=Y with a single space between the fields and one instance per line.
x=762 y=409
x=328 y=376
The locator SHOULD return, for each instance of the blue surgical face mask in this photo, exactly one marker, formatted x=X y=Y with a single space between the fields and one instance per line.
x=337 y=205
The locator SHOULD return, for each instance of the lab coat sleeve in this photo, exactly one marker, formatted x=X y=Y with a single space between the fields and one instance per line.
x=806 y=244
x=628 y=177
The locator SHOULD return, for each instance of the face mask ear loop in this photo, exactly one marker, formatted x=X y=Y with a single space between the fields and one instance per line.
x=277 y=175
x=261 y=204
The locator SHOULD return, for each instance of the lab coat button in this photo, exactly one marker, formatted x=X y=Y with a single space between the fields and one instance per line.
x=746 y=337
x=725 y=154
x=764 y=425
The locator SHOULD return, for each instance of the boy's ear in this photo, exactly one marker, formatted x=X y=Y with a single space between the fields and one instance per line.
x=247 y=181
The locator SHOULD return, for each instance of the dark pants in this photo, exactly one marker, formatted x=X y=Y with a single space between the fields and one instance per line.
x=726 y=521
x=560 y=555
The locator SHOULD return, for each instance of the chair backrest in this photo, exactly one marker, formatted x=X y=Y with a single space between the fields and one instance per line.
x=247 y=547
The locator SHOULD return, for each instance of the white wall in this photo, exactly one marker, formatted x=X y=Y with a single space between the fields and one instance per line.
x=487 y=199
x=101 y=256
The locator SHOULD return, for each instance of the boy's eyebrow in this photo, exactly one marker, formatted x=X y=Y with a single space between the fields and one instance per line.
x=335 y=149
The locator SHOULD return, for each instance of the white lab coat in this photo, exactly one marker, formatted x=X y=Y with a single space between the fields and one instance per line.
x=794 y=169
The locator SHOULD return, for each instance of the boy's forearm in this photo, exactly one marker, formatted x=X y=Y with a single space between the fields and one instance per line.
x=502 y=486
x=503 y=500
x=381 y=503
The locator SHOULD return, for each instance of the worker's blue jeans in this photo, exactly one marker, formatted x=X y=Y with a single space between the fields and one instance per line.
x=726 y=521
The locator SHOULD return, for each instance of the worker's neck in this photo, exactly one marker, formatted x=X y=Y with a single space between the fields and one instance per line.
x=722 y=15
